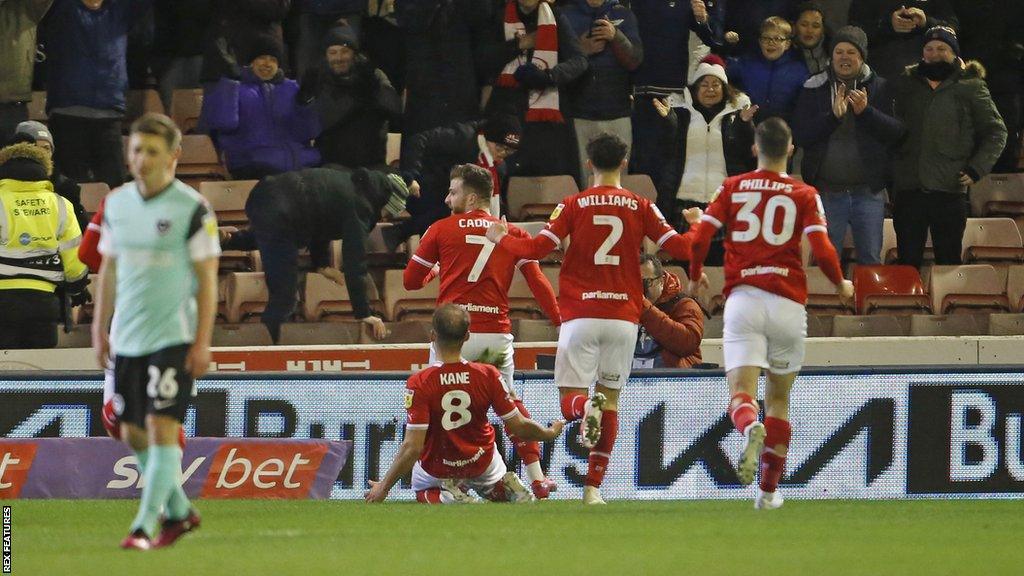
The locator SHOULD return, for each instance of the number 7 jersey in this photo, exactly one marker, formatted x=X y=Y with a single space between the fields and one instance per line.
x=766 y=214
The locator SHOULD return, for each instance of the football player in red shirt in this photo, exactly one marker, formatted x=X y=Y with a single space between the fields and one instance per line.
x=600 y=293
x=477 y=276
x=766 y=213
x=449 y=441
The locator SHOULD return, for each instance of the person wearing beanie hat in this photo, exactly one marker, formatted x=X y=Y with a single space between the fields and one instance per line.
x=40 y=244
x=38 y=134
x=354 y=101
x=38 y=131
x=705 y=137
x=954 y=136
x=811 y=37
x=310 y=208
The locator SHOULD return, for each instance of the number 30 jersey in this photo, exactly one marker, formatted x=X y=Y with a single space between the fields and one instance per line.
x=451 y=402
x=766 y=214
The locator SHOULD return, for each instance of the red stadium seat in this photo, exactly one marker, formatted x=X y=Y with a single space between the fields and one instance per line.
x=325 y=299
x=889 y=289
x=970 y=288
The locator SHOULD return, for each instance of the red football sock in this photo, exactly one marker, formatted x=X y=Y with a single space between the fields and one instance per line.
x=773 y=458
x=528 y=450
x=573 y=405
x=598 y=461
x=742 y=410
x=429 y=496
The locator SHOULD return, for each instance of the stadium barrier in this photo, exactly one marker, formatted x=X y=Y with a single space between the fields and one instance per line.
x=211 y=468
x=870 y=433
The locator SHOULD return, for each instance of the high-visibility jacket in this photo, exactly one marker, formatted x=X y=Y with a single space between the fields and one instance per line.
x=39 y=237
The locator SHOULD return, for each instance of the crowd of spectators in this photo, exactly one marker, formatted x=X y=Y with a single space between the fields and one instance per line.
x=898 y=102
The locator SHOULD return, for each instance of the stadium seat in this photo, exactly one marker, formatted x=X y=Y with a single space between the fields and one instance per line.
x=534 y=228
x=945 y=325
x=998 y=195
x=712 y=299
x=1006 y=325
x=199 y=160
x=992 y=240
x=241 y=335
x=404 y=332
x=1015 y=287
x=641 y=185
x=92 y=194
x=969 y=288
x=246 y=295
x=526 y=330
x=227 y=198
x=37 y=106
x=325 y=299
x=821 y=294
x=186 y=106
x=239 y=261
x=139 y=102
x=320 y=333
x=532 y=198
x=400 y=303
x=858 y=326
x=394 y=148
x=889 y=289
x=713 y=327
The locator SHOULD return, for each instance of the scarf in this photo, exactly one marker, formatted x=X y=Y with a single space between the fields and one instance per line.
x=485 y=160
x=543 y=104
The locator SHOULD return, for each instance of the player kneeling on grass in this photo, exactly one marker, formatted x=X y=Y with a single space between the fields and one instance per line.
x=160 y=251
x=766 y=213
x=449 y=442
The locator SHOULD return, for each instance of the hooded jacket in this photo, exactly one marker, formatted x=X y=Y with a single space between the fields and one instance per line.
x=877 y=128
x=675 y=323
x=950 y=129
x=257 y=123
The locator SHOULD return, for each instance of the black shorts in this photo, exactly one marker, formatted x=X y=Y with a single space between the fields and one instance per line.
x=153 y=384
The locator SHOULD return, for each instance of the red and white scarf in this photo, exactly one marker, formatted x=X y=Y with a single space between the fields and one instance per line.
x=486 y=161
x=543 y=103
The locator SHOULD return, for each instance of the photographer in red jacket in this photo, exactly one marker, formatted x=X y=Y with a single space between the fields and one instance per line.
x=671 y=324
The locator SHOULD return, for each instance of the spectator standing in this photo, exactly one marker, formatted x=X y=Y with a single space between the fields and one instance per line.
x=992 y=32
x=773 y=75
x=239 y=24
x=540 y=59
x=671 y=322
x=87 y=79
x=705 y=137
x=845 y=122
x=316 y=17
x=811 y=37
x=954 y=136
x=601 y=101
x=180 y=27
x=743 y=20
x=18 y=22
x=895 y=29
x=353 y=100
x=257 y=122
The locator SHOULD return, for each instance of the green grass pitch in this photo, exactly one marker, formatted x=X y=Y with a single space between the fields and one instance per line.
x=556 y=538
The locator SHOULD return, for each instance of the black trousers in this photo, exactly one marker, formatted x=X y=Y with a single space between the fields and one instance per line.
x=915 y=212
x=11 y=114
x=29 y=319
x=88 y=149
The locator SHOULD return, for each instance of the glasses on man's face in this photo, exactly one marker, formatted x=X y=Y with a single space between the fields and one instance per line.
x=774 y=39
x=648 y=282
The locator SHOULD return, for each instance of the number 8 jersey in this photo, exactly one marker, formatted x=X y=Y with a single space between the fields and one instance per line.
x=451 y=402
x=766 y=214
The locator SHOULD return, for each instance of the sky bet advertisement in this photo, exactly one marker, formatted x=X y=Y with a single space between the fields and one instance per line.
x=856 y=434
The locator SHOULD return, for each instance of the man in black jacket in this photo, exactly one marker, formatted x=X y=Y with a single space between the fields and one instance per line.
x=312 y=207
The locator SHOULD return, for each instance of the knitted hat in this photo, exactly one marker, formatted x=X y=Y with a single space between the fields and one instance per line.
x=265 y=45
x=503 y=130
x=852 y=35
x=711 y=65
x=399 y=194
x=943 y=34
x=35 y=130
x=341 y=35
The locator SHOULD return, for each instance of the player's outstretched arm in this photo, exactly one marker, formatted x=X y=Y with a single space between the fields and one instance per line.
x=542 y=291
x=828 y=260
x=533 y=248
x=529 y=429
x=407 y=456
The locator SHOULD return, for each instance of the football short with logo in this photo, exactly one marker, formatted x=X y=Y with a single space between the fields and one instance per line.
x=763 y=329
x=422 y=480
x=595 y=350
x=155 y=383
x=490 y=348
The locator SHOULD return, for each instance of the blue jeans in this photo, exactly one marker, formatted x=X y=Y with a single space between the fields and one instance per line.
x=863 y=210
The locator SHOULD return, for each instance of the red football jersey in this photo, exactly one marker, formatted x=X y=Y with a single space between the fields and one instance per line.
x=451 y=401
x=766 y=214
x=600 y=275
x=474 y=271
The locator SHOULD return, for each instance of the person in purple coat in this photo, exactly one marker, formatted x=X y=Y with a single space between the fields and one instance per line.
x=257 y=122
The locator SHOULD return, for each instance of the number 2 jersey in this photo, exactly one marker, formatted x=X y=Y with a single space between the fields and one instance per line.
x=766 y=214
x=450 y=401
x=600 y=276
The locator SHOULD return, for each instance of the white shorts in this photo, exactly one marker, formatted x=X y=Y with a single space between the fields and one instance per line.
x=494 y=342
x=421 y=480
x=595 y=350
x=763 y=329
